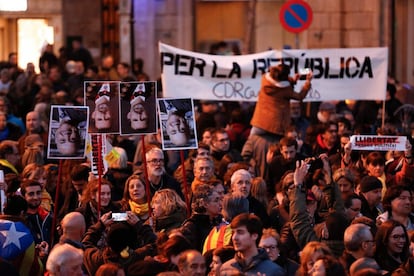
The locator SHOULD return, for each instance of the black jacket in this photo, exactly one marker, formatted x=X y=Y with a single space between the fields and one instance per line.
x=196 y=228
x=94 y=257
x=367 y=211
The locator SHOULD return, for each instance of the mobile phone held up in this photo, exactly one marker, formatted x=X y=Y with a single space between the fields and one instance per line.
x=303 y=72
x=119 y=216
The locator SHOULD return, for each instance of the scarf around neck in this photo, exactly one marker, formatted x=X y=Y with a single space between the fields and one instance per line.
x=138 y=209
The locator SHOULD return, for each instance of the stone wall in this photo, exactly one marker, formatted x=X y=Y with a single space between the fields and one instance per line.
x=344 y=24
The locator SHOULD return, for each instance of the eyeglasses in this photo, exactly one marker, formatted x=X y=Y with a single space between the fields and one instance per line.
x=156 y=161
x=270 y=247
x=398 y=237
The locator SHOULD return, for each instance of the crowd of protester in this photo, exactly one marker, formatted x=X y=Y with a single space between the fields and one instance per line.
x=272 y=189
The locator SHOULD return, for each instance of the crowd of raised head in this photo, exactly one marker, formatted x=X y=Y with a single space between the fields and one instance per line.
x=273 y=188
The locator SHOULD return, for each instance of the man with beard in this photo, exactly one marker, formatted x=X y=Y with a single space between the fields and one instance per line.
x=221 y=152
x=327 y=140
x=38 y=219
x=157 y=175
x=249 y=259
x=282 y=163
x=370 y=192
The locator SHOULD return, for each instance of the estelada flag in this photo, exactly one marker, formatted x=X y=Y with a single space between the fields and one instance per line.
x=17 y=246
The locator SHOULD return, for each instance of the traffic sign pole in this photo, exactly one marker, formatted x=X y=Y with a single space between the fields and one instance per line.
x=297 y=41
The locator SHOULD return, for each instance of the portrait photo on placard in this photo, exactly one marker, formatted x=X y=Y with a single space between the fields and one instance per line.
x=177 y=123
x=67 y=132
x=138 y=109
x=102 y=97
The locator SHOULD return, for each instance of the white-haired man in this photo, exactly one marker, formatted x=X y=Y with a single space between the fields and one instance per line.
x=241 y=182
x=64 y=259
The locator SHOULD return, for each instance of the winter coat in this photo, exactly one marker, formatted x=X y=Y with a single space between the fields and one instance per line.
x=95 y=257
x=40 y=225
x=196 y=229
x=367 y=211
x=302 y=229
x=259 y=264
x=170 y=222
x=272 y=112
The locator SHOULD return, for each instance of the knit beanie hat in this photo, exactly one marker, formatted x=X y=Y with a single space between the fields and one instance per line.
x=369 y=183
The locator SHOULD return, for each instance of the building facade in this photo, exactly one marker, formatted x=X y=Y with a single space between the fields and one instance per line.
x=130 y=29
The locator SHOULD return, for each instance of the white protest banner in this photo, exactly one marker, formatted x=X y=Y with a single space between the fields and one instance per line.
x=378 y=143
x=339 y=74
x=188 y=74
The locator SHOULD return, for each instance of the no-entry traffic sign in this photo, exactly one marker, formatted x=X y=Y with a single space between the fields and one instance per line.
x=295 y=16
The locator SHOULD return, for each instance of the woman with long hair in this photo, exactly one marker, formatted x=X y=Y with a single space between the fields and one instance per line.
x=90 y=199
x=135 y=197
x=168 y=210
x=392 y=245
